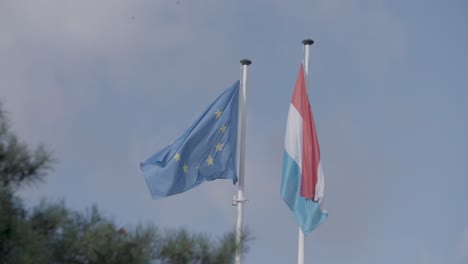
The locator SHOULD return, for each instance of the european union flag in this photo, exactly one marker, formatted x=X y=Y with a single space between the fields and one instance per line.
x=205 y=152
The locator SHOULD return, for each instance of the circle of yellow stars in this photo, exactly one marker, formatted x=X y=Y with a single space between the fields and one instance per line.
x=218 y=147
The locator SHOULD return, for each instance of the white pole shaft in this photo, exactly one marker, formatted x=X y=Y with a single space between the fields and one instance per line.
x=301 y=240
x=240 y=212
x=241 y=160
x=306 y=67
x=301 y=248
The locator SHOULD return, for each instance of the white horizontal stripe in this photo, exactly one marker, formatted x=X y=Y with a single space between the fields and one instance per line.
x=293 y=139
x=319 y=188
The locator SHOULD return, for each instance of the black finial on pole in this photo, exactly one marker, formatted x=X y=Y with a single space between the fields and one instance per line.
x=246 y=62
x=307 y=42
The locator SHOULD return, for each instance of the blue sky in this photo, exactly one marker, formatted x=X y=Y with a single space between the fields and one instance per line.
x=104 y=84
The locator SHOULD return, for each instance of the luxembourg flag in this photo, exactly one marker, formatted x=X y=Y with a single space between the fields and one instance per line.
x=302 y=184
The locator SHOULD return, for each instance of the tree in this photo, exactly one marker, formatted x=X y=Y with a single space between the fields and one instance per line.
x=18 y=164
x=90 y=238
x=19 y=243
x=53 y=233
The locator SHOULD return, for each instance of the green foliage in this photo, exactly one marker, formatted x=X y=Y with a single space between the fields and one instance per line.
x=54 y=234
x=180 y=247
x=19 y=243
x=19 y=165
x=90 y=238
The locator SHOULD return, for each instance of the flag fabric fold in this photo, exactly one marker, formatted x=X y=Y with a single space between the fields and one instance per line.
x=302 y=183
x=205 y=152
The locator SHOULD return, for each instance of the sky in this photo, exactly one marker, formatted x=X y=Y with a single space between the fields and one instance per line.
x=105 y=84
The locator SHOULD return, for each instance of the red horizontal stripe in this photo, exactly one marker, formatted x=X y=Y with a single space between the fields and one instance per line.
x=310 y=146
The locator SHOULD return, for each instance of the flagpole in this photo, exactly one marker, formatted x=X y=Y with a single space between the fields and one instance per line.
x=239 y=200
x=301 y=241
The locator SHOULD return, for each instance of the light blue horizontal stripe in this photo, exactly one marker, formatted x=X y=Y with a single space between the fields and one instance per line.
x=307 y=212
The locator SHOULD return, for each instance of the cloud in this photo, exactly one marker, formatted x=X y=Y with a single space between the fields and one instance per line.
x=85 y=78
x=365 y=33
x=63 y=58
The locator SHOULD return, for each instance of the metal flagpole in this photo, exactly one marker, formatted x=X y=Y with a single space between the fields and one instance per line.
x=301 y=243
x=239 y=200
x=307 y=43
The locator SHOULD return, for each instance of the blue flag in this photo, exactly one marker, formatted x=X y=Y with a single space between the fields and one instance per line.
x=205 y=152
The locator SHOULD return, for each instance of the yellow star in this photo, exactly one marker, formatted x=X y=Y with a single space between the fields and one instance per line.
x=177 y=156
x=218 y=113
x=219 y=147
x=223 y=128
x=209 y=161
x=185 y=168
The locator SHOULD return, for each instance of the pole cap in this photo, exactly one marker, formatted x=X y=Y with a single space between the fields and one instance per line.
x=307 y=42
x=246 y=62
